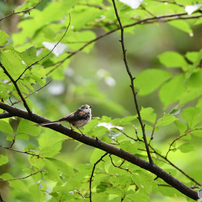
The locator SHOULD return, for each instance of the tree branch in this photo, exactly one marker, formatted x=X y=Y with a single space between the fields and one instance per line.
x=17 y=88
x=91 y=177
x=105 y=147
x=48 y=52
x=132 y=84
x=24 y=11
x=155 y=19
x=22 y=178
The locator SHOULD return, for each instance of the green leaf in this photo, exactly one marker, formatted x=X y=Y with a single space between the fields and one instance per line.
x=3 y=159
x=12 y=62
x=129 y=146
x=100 y=197
x=29 y=56
x=6 y=176
x=166 y=120
x=3 y=38
x=5 y=89
x=193 y=116
x=182 y=127
x=37 y=194
x=148 y=114
x=55 y=168
x=143 y=180
x=182 y=25
x=5 y=127
x=171 y=91
x=28 y=127
x=152 y=78
x=123 y=121
x=173 y=60
x=186 y=147
x=96 y=155
x=192 y=56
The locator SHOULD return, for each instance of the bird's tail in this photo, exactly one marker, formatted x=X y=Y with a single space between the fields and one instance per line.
x=48 y=123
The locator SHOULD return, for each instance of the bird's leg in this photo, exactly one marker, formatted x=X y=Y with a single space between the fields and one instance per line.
x=71 y=127
x=80 y=131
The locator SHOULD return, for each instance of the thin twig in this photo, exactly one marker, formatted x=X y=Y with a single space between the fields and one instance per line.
x=91 y=177
x=48 y=52
x=22 y=178
x=132 y=83
x=22 y=152
x=179 y=137
x=33 y=92
x=152 y=134
x=156 y=19
x=126 y=169
x=24 y=11
x=173 y=165
x=17 y=88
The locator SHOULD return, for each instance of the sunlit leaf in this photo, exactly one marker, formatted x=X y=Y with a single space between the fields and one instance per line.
x=166 y=120
x=152 y=78
x=3 y=38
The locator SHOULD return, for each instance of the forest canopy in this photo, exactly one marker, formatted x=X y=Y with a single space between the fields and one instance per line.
x=137 y=64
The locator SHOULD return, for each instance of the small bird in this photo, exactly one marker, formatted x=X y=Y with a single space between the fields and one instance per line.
x=78 y=118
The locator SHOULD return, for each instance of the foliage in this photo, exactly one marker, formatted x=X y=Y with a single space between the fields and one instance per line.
x=40 y=164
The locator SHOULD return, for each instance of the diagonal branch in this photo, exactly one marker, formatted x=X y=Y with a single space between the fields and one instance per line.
x=168 y=178
x=48 y=52
x=22 y=152
x=155 y=19
x=17 y=88
x=22 y=178
x=132 y=84
x=24 y=11
x=91 y=177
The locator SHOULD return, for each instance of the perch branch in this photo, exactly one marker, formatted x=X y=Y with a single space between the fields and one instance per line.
x=168 y=178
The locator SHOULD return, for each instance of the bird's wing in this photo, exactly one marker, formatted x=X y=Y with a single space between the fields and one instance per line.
x=74 y=116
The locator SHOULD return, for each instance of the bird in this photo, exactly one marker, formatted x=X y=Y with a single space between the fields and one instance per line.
x=78 y=118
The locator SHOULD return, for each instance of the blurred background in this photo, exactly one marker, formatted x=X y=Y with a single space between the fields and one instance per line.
x=103 y=72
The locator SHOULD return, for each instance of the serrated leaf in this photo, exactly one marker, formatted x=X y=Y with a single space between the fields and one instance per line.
x=169 y=93
x=152 y=78
x=187 y=147
x=172 y=60
x=3 y=159
x=5 y=127
x=123 y=121
x=28 y=127
x=148 y=114
x=3 y=38
x=182 y=25
x=182 y=127
x=193 y=116
x=29 y=55
x=166 y=120
x=6 y=176
x=12 y=62
x=129 y=147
